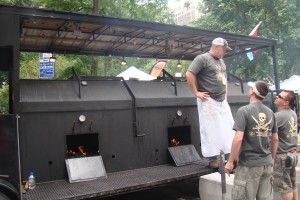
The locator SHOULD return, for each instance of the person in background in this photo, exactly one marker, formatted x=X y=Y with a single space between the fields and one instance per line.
x=255 y=143
x=286 y=157
x=207 y=79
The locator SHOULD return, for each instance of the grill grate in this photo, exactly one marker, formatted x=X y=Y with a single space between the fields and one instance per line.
x=117 y=183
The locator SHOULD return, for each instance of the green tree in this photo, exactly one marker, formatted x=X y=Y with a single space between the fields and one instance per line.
x=28 y=3
x=147 y=10
x=279 y=21
x=4 y=105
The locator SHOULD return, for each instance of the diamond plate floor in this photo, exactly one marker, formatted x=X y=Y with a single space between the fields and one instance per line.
x=117 y=183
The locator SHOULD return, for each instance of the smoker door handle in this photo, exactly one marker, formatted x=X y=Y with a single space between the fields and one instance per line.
x=135 y=125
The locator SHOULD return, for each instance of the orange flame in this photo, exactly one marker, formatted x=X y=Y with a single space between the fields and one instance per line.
x=175 y=142
x=81 y=149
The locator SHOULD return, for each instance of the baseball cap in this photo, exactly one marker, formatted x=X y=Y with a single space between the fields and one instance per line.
x=251 y=84
x=221 y=42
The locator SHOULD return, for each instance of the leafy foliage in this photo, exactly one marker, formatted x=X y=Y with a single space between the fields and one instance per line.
x=28 y=3
x=4 y=107
x=279 y=21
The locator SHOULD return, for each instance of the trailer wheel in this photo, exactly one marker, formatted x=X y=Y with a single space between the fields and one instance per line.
x=7 y=191
x=4 y=196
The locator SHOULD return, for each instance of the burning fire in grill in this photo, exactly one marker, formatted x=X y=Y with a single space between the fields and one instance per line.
x=81 y=149
x=82 y=145
x=80 y=152
x=175 y=142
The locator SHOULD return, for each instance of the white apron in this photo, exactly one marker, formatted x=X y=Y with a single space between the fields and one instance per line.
x=216 y=124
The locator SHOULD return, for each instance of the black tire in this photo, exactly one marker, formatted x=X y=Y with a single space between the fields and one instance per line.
x=4 y=196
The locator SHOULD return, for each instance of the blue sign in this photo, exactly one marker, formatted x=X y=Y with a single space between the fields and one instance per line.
x=46 y=68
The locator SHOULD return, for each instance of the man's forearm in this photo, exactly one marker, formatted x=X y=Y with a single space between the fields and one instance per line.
x=191 y=80
x=235 y=149
x=236 y=146
x=226 y=95
x=274 y=144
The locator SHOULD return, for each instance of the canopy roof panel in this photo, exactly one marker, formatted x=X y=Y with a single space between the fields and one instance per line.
x=65 y=32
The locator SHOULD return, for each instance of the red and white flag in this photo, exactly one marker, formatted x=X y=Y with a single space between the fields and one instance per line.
x=253 y=33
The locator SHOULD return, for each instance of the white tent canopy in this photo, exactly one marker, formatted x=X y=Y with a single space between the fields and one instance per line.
x=134 y=73
x=292 y=83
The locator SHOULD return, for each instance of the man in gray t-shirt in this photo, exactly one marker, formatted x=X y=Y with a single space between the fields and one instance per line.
x=255 y=143
x=258 y=123
x=211 y=75
x=286 y=157
x=206 y=78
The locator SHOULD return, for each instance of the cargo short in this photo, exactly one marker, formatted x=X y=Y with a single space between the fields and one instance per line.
x=252 y=182
x=285 y=172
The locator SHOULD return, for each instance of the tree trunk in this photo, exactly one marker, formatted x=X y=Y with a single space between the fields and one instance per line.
x=107 y=64
x=95 y=6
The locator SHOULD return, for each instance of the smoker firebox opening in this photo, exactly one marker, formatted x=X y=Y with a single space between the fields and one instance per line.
x=82 y=145
x=179 y=135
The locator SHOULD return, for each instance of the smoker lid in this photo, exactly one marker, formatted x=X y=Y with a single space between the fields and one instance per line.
x=68 y=90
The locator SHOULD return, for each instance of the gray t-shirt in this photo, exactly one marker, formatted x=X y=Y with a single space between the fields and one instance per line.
x=286 y=120
x=257 y=121
x=210 y=74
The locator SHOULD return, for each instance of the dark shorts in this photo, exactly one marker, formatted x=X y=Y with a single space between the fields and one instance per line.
x=285 y=176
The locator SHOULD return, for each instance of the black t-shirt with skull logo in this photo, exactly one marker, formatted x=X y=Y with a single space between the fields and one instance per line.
x=257 y=121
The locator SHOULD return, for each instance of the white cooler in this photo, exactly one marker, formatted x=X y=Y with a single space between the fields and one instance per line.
x=210 y=187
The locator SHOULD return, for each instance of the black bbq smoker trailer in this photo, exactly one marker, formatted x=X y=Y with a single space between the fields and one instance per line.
x=127 y=125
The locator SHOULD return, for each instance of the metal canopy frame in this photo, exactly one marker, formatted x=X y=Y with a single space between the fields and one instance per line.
x=73 y=33
x=65 y=32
